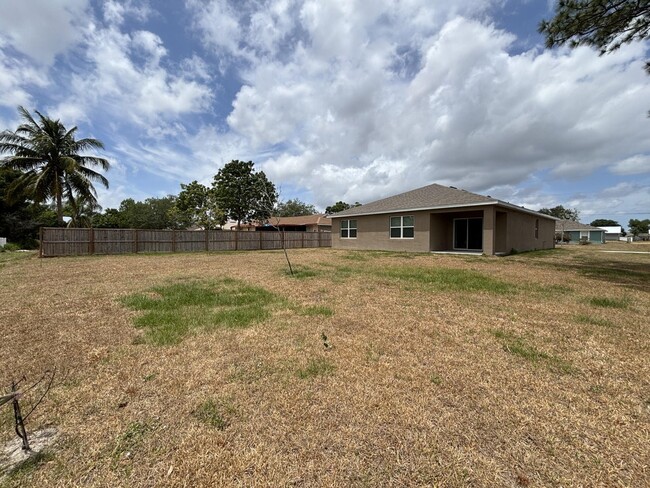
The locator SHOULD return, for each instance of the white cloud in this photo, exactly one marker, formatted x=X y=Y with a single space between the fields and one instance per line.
x=128 y=80
x=115 y=12
x=371 y=100
x=42 y=29
x=633 y=165
x=16 y=78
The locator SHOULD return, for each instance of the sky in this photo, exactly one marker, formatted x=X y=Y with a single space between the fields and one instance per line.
x=349 y=100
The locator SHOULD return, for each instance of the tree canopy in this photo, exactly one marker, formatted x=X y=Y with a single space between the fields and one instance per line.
x=196 y=205
x=20 y=217
x=604 y=223
x=562 y=213
x=243 y=193
x=340 y=206
x=47 y=155
x=637 y=226
x=294 y=208
x=603 y=24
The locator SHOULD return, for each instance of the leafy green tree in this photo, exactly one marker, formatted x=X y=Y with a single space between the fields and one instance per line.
x=603 y=24
x=604 y=223
x=244 y=194
x=152 y=213
x=340 y=206
x=294 y=208
x=20 y=218
x=196 y=205
x=48 y=156
x=637 y=226
x=109 y=219
x=562 y=213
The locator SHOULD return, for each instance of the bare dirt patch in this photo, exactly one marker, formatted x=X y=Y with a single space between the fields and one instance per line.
x=419 y=381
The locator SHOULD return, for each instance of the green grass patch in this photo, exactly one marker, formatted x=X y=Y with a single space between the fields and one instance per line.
x=300 y=272
x=449 y=279
x=540 y=253
x=215 y=414
x=588 y=319
x=356 y=256
x=317 y=310
x=12 y=256
x=609 y=302
x=316 y=367
x=547 y=291
x=519 y=347
x=173 y=311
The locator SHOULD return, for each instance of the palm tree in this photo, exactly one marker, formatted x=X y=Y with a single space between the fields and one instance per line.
x=82 y=212
x=48 y=155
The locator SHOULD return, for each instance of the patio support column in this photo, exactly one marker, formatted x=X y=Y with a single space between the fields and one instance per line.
x=489 y=230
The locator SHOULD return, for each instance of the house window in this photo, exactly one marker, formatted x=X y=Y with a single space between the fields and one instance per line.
x=536 y=228
x=402 y=227
x=348 y=229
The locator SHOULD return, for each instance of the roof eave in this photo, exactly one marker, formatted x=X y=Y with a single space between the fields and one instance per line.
x=443 y=207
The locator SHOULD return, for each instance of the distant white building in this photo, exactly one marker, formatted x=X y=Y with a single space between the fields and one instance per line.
x=612 y=233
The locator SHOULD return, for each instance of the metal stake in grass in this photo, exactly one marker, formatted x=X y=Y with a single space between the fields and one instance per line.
x=19 y=421
x=14 y=397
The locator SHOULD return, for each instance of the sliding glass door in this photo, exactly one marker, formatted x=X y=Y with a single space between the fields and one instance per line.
x=468 y=234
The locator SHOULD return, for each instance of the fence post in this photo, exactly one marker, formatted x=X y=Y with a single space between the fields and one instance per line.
x=261 y=246
x=173 y=240
x=236 y=240
x=302 y=240
x=135 y=240
x=40 y=242
x=91 y=242
x=207 y=240
x=319 y=239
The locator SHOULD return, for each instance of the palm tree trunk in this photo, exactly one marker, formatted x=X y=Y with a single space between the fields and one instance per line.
x=59 y=207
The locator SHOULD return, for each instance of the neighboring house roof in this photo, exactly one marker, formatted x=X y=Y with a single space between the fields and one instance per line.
x=316 y=219
x=430 y=197
x=569 y=225
x=616 y=229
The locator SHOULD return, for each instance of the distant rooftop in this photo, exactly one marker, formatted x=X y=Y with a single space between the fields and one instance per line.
x=569 y=225
x=316 y=219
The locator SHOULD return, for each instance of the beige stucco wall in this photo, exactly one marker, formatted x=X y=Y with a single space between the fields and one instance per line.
x=521 y=232
x=373 y=232
x=504 y=229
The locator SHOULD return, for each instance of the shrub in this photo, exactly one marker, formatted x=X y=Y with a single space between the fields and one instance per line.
x=10 y=247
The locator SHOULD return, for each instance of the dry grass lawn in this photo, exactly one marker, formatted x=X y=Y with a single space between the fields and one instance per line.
x=366 y=369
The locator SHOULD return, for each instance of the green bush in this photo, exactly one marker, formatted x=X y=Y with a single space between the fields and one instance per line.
x=9 y=246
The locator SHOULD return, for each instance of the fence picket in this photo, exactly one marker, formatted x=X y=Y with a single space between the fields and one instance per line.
x=59 y=241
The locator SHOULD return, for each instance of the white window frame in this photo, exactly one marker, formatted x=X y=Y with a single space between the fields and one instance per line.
x=348 y=227
x=401 y=226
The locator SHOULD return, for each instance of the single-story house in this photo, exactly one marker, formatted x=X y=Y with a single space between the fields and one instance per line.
x=304 y=223
x=613 y=232
x=576 y=232
x=443 y=219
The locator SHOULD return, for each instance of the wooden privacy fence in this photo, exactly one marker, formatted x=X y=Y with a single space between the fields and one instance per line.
x=58 y=241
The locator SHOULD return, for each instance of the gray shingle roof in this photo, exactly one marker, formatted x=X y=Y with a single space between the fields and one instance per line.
x=569 y=225
x=427 y=197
